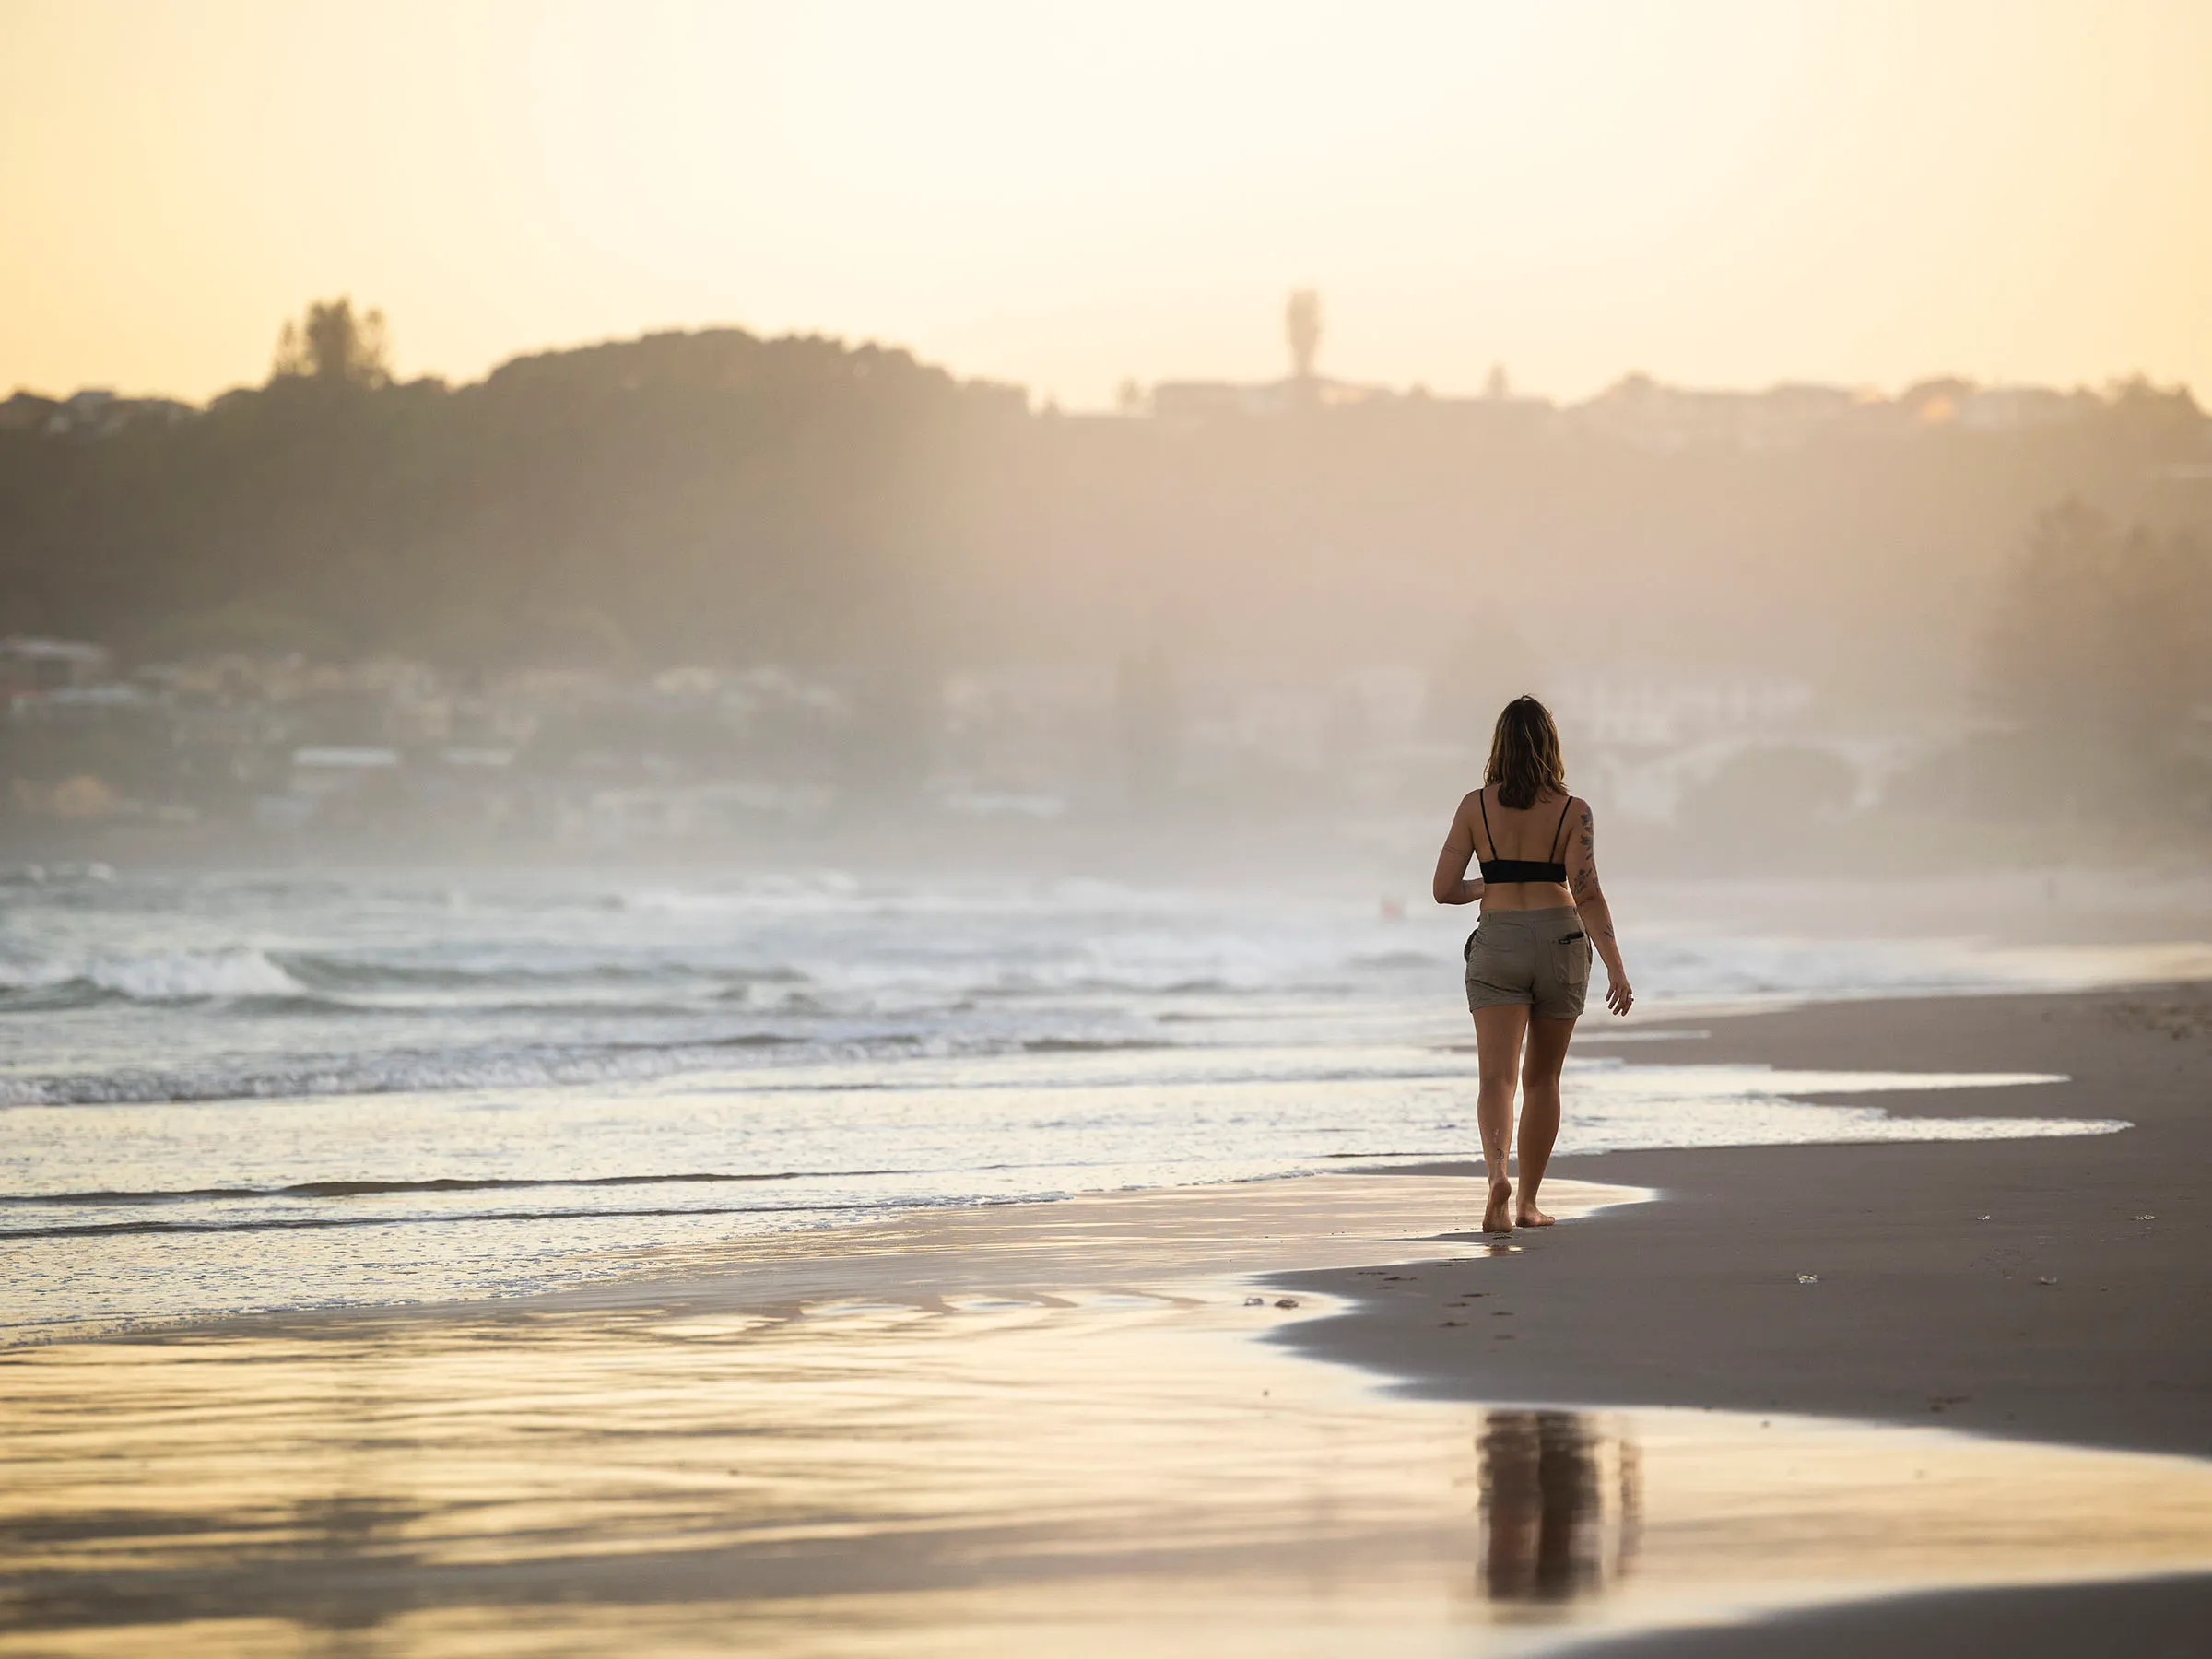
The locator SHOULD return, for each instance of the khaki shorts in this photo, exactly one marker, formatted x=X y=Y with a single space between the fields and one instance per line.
x=1540 y=957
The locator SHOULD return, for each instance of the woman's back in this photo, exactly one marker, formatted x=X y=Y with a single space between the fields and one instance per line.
x=1523 y=851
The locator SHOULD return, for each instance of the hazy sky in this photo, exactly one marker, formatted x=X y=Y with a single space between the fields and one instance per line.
x=1063 y=194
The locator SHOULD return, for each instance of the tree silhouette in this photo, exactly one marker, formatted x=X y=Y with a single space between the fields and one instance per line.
x=2101 y=633
x=331 y=344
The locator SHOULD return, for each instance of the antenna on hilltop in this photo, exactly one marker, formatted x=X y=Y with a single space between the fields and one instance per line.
x=1301 y=327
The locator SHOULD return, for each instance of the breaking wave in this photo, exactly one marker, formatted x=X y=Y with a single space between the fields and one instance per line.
x=326 y=972
x=394 y=1073
x=152 y=976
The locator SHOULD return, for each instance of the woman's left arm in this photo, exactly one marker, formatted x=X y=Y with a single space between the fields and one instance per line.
x=1451 y=886
x=1598 y=915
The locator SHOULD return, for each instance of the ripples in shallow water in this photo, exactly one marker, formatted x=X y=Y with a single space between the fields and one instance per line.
x=1041 y=1430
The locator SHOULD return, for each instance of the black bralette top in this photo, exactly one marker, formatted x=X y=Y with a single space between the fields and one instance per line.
x=1521 y=869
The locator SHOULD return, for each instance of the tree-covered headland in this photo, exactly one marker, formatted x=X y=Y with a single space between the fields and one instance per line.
x=2028 y=565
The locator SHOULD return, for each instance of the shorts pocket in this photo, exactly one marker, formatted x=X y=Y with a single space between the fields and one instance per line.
x=1574 y=959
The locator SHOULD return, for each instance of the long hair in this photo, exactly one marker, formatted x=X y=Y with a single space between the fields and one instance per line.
x=1525 y=755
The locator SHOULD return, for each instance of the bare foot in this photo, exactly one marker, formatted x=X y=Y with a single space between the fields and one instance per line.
x=1498 y=1217
x=1530 y=1215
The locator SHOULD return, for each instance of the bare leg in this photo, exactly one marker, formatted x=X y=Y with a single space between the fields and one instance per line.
x=1498 y=1050
x=1547 y=1041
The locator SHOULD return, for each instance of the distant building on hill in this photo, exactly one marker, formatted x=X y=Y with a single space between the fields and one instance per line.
x=92 y=412
x=30 y=666
x=1646 y=414
x=1193 y=402
x=27 y=411
x=1199 y=403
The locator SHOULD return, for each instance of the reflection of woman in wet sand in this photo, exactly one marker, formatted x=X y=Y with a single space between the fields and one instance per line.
x=1528 y=961
x=1546 y=1531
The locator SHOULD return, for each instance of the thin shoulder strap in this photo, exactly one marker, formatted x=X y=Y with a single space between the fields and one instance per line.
x=1482 y=800
x=1556 y=848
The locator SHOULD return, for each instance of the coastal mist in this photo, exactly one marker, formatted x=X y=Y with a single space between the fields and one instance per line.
x=723 y=737
x=709 y=781
x=711 y=598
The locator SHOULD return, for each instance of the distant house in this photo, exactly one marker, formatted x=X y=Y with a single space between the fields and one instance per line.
x=2017 y=408
x=321 y=769
x=92 y=412
x=1193 y=403
x=1646 y=415
x=27 y=411
x=327 y=778
x=29 y=667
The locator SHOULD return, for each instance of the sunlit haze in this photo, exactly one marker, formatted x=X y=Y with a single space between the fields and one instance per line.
x=1719 y=192
x=801 y=808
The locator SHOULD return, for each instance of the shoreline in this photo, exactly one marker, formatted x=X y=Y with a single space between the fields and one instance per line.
x=1036 y=1427
x=617 y=1441
x=1922 y=1313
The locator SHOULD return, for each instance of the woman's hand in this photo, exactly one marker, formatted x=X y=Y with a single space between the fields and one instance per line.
x=1618 y=996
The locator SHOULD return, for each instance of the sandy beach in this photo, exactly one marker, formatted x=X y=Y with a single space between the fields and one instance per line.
x=1098 y=1426
x=763 y=770
x=2049 y=1289
x=2056 y=1290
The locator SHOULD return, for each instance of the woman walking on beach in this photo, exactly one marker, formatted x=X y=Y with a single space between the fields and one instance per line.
x=1528 y=959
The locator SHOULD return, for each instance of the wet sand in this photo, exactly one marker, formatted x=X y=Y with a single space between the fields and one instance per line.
x=2063 y=1316
x=1049 y=1428
x=1034 y=1428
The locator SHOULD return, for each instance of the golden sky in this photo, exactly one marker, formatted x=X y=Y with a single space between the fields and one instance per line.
x=1717 y=192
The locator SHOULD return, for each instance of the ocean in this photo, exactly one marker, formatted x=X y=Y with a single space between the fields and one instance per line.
x=229 y=1093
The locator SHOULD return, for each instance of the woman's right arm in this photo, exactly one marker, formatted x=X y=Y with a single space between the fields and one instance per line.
x=1450 y=885
x=1598 y=915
